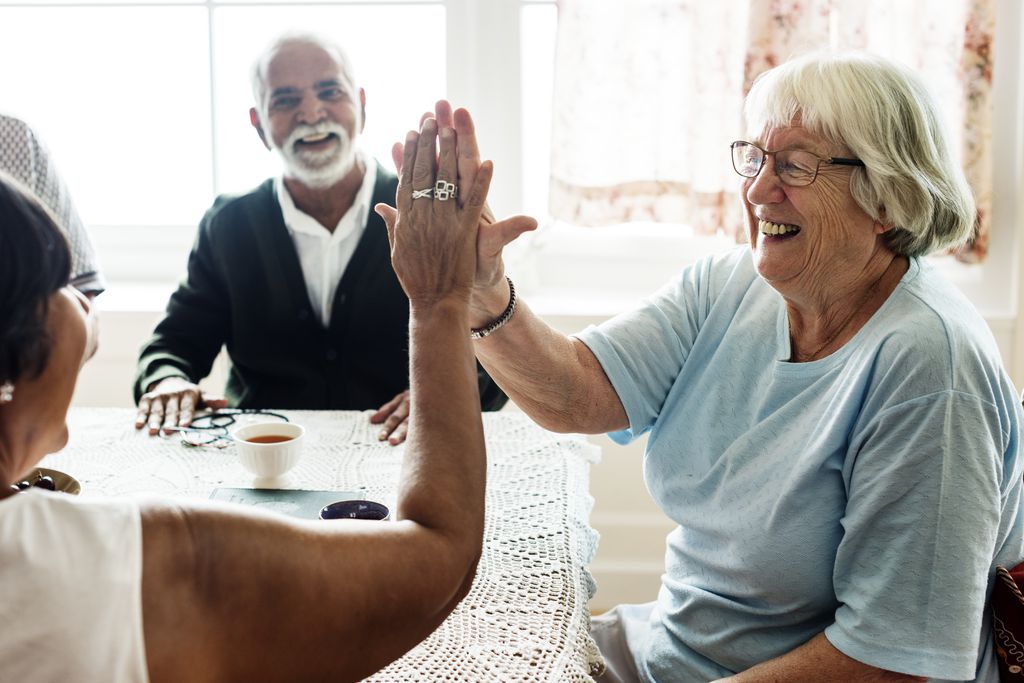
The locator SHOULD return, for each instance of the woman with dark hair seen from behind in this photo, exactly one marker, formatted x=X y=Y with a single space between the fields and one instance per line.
x=830 y=424
x=123 y=590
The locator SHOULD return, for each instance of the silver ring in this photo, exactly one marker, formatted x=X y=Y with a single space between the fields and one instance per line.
x=444 y=190
x=420 y=194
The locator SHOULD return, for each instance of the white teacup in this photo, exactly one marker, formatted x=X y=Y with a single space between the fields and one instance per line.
x=269 y=449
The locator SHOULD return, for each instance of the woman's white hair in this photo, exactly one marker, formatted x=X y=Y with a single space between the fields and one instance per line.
x=884 y=115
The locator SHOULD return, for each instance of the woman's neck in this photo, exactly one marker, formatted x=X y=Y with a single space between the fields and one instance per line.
x=8 y=467
x=17 y=447
x=820 y=325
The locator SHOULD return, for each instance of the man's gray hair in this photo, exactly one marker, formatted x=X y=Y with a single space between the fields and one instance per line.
x=257 y=73
x=884 y=115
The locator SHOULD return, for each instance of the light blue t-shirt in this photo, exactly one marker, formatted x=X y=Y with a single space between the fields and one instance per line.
x=868 y=494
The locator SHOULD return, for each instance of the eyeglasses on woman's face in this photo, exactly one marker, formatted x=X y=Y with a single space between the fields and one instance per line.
x=794 y=167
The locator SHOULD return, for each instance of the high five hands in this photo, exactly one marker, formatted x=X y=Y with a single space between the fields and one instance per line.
x=490 y=290
x=448 y=246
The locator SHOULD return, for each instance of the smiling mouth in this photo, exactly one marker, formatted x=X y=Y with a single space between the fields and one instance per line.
x=777 y=229
x=315 y=139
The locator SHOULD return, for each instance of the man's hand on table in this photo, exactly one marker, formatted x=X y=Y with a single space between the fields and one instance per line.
x=172 y=402
x=395 y=416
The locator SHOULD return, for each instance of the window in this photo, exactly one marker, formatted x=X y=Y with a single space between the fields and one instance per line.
x=144 y=107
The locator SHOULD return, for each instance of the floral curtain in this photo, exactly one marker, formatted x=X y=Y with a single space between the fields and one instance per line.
x=648 y=95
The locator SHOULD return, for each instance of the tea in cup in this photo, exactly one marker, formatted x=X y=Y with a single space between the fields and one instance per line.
x=268 y=449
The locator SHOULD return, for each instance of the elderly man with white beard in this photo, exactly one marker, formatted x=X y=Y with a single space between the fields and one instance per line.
x=294 y=277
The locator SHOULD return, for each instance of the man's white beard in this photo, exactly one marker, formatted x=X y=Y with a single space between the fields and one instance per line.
x=318 y=169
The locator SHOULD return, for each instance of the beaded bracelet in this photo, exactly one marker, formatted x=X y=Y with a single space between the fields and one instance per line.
x=496 y=324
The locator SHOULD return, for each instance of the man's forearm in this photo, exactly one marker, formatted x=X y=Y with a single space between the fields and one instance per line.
x=814 y=661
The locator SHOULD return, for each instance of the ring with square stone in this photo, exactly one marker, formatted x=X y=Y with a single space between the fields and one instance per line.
x=443 y=190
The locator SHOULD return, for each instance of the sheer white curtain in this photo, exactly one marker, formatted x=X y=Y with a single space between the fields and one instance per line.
x=647 y=97
x=648 y=94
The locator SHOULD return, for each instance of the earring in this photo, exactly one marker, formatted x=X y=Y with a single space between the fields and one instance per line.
x=6 y=392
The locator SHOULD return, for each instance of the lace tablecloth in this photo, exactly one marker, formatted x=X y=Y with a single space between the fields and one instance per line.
x=526 y=617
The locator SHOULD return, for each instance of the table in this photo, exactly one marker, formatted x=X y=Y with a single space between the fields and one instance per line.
x=526 y=617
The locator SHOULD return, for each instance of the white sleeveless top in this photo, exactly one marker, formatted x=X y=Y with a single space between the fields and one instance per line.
x=70 y=589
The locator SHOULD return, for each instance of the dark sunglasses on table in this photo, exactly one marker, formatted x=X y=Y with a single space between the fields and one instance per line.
x=212 y=429
x=794 y=167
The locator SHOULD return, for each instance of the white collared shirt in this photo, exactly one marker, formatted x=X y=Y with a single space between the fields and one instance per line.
x=324 y=255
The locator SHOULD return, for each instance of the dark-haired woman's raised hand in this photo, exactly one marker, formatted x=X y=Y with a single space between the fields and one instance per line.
x=490 y=291
x=433 y=232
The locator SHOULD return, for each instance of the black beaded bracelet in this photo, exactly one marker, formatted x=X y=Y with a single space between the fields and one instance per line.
x=494 y=325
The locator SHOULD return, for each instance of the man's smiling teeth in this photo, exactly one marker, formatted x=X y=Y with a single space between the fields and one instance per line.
x=769 y=228
x=318 y=137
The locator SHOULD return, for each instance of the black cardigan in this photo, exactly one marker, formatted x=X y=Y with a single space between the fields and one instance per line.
x=245 y=290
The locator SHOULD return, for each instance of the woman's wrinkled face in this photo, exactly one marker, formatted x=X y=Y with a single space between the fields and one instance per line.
x=806 y=239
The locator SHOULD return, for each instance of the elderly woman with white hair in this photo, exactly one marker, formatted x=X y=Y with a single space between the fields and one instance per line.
x=829 y=420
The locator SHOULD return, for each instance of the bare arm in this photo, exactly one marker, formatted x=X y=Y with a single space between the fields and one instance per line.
x=555 y=379
x=233 y=596
x=236 y=595
x=815 y=659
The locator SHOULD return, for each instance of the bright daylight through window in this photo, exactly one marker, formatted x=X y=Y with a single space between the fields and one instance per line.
x=144 y=106
x=146 y=110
